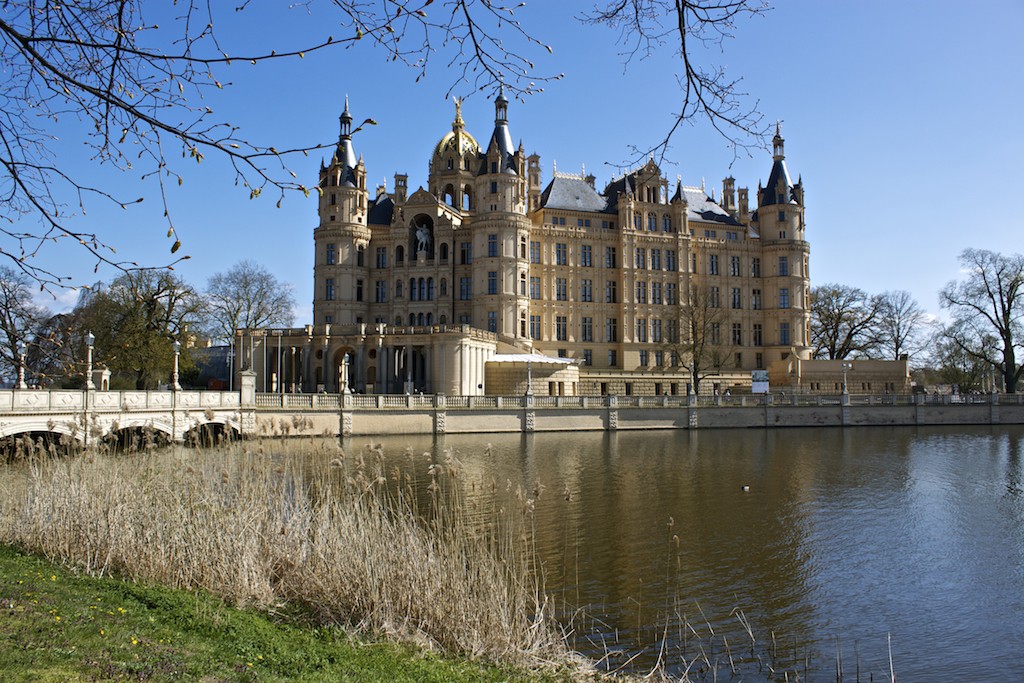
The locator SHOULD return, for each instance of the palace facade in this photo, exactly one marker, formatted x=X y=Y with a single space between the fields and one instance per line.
x=495 y=280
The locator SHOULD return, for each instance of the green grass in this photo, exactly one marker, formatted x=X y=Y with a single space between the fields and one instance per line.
x=60 y=626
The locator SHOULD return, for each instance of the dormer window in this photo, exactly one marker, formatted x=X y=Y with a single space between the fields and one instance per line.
x=494 y=167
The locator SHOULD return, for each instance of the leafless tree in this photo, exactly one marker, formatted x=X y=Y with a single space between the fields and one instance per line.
x=247 y=296
x=988 y=303
x=698 y=336
x=141 y=87
x=901 y=324
x=844 y=322
x=683 y=26
x=20 y=319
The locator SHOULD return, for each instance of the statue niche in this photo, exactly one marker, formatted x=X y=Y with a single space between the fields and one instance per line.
x=422 y=236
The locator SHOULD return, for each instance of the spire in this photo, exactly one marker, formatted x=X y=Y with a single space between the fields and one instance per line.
x=346 y=121
x=458 y=123
x=501 y=136
x=346 y=153
x=778 y=153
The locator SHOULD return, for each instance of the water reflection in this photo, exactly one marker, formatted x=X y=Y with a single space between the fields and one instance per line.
x=819 y=536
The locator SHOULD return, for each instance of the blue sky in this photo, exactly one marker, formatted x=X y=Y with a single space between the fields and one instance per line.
x=901 y=117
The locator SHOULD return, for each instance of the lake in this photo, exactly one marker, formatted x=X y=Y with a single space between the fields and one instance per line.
x=758 y=551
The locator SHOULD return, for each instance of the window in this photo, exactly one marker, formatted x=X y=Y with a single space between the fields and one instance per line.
x=640 y=258
x=613 y=358
x=359 y=290
x=670 y=261
x=607 y=225
x=693 y=263
x=659 y=360
x=331 y=255
x=465 y=252
x=329 y=289
x=666 y=223
x=734 y=266
x=588 y=357
x=713 y=264
x=609 y=257
x=655 y=259
x=561 y=289
x=671 y=294
x=784 y=297
x=334 y=199
x=611 y=330
x=714 y=299
x=656 y=293
x=758 y=335
x=444 y=287
x=644 y=358
x=382 y=257
x=716 y=333
x=492 y=282
x=586 y=291
x=465 y=288
x=641 y=292
x=755 y=299
x=783 y=265
x=492 y=246
x=610 y=294
x=652 y=222
x=534 y=252
x=784 y=334
x=534 y=287
x=444 y=252
x=737 y=298
x=732 y=236
x=637 y=221
x=360 y=256
x=381 y=294
x=561 y=328
x=494 y=187
x=535 y=327
x=522 y=283
x=710 y=234
x=398 y=289
x=586 y=256
x=561 y=254
x=672 y=332
x=492 y=321
x=755 y=267
x=739 y=360
x=759 y=361
x=641 y=329
x=587 y=329
x=557 y=220
x=782 y=216
x=737 y=334
x=656 y=331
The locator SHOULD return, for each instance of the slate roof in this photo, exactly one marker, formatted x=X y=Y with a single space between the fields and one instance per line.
x=778 y=182
x=381 y=210
x=701 y=207
x=572 y=194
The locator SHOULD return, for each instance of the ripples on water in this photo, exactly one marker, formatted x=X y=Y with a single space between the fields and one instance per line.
x=844 y=537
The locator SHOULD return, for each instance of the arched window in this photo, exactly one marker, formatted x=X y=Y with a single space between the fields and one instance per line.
x=430 y=289
x=444 y=251
x=442 y=320
x=637 y=224
x=522 y=283
x=419 y=320
x=448 y=195
x=467 y=198
x=652 y=223
x=412 y=319
x=430 y=318
x=444 y=287
x=399 y=254
x=398 y=289
x=423 y=289
x=666 y=223
x=398 y=320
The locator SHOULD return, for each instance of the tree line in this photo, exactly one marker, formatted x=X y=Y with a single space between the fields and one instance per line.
x=135 y=320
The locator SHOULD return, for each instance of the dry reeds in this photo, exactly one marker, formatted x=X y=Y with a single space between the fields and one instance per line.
x=328 y=532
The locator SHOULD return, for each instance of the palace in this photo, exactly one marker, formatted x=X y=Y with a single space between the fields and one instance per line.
x=491 y=281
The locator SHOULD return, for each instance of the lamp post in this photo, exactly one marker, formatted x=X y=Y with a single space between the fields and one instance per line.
x=529 y=378
x=231 y=365
x=344 y=375
x=90 y=339
x=846 y=366
x=22 y=351
x=174 y=375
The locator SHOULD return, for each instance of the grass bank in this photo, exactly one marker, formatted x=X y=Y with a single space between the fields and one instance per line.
x=59 y=625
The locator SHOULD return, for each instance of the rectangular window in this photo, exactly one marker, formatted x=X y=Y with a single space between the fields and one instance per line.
x=382 y=257
x=755 y=299
x=534 y=252
x=607 y=225
x=588 y=357
x=737 y=298
x=784 y=297
x=494 y=187
x=359 y=290
x=758 y=339
x=640 y=258
x=672 y=331
x=670 y=261
x=713 y=264
x=759 y=361
x=609 y=257
x=666 y=224
x=465 y=288
x=714 y=298
x=360 y=256
x=710 y=234
x=561 y=254
x=734 y=266
x=610 y=294
x=329 y=289
x=535 y=327
x=534 y=287
x=465 y=252
x=755 y=267
x=655 y=259
x=586 y=256
x=652 y=222
x=693 y=263
x=641 y=292
x=587 y=329
x=732 y=236
x=561 y=289
x=492 y=282
x=492 y=246
x=586 y=291
x=641 y=329
x=671 y=294
x=332 y=255
x=492 y=321
x=784 y=334
x=561 y=328
x=659 y=358
x=656 y=293
x=739 y=360
x=381 y=289
x=611 y=330
x=613 y=358
x=737 y=334
x=644 y=357
x=656 y=331
x=716 y=334
x=783 y=265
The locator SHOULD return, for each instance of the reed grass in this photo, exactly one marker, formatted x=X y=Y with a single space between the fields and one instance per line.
x=332 y=533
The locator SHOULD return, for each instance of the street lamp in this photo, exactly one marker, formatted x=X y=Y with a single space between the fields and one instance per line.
x=22 y=351
x=231 y=365
x=344 y=375
x=90 y=339
x=174 y=375
x=846 y=366
x=529 y=378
